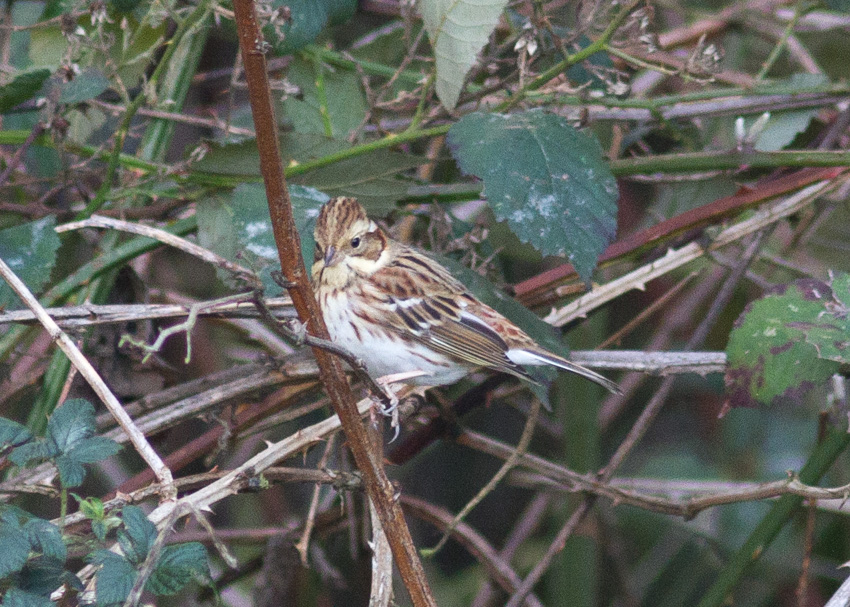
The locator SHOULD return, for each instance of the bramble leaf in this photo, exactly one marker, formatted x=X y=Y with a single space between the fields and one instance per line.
x=458 y=30
x=114 y=579
x=30 y=250
x=177 y=566
x=12 y=433
x=14 y=544
x=15 y=597
x=46 y=538
x=789 y=341
x=71 y=423
x=138 y=534
x=23 y=87
x=549 y=181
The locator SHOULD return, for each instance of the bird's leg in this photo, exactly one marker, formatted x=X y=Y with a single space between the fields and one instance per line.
x=391 y=410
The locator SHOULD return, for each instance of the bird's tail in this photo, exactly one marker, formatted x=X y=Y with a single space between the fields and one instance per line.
x=545 y=357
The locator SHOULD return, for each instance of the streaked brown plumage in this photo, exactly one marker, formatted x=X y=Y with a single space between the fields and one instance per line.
x=400 y=311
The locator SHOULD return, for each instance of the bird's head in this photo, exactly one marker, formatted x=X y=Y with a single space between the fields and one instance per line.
x=347 y=242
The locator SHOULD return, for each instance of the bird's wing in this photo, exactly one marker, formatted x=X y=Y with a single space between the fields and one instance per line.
x=425 y=303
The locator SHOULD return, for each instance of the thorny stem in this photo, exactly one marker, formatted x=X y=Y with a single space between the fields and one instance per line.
x=300 y=336
x=378 y=486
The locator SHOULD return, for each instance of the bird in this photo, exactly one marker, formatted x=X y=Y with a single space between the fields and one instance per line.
x=399 y=311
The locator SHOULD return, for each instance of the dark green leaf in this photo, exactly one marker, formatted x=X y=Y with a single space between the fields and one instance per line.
x=86 y=85
x=30 y=250
x=42 y=575
x=346 y=104
x=22 y=88
x=242 y=224
x=12 y=433
x=71 y=423
x=32 y=453
x=93 y=449
x=114 y=579
x=309 y=18
x=371 y=178
x=580 y=75
x=842 y=6
x=16 y=597
x=14 y=544
x=138 y=534
x=549 y=181
x=768 y=352
x=125 y=6
x=71 y=472
x=177 y=566
x=45 y=537
x=241 y=159
x=830 y=333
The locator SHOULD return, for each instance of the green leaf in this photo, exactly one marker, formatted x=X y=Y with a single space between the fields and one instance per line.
x=773 y=351
x=46 y=538
x=31 y=453
x=114 y=579
x=177 y=566
x=14 y=544
x=549 y=181
x=12 y=433
x=15 y=597
x=458 y=30
x=125 y=6
x=30 y=250
x=93 y=449
x=138 y=534
x=71 y=472
x=22 y=88
x=42 y=575
x=830 y=334
x=346 y=104
x=841 y=6
x=309 y=18
x=71 y=423
x=86 y=85
x=241 y=224
x=371 y=178
x=47 y=47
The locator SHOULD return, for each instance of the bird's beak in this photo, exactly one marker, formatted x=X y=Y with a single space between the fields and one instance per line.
x=330 y=252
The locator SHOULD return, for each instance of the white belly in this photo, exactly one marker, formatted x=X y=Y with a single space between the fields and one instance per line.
x=384 y=352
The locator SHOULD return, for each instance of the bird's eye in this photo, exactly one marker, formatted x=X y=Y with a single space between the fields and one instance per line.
x=355 y=242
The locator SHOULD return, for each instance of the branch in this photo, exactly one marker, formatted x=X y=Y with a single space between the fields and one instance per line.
x=96 y=221
x=100 y=388
x=637 y=279
x=378 y=486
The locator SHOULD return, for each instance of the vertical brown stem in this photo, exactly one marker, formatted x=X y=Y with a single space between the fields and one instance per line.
x=378 y=486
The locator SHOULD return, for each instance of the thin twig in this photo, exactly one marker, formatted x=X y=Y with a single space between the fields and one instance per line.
x=522 y=445
x=85 y=368
x=295 y=331
x=637 y=279
x=99 y=221
x=640 y=426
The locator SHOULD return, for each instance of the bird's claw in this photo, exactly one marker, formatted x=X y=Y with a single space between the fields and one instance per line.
x=299 y=331
x=281 y=281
